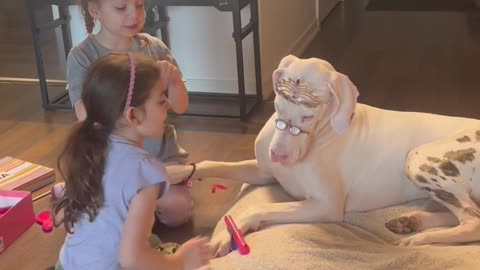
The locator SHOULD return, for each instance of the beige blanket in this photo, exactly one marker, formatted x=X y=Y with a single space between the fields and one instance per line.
x=361 y=244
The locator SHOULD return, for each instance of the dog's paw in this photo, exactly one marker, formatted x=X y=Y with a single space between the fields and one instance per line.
x=411 y=241
x=403 y=225
x=221 y=243
x=249 y=224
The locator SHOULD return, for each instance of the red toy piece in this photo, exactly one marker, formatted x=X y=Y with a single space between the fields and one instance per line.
x=45 y=219
x=215 y=187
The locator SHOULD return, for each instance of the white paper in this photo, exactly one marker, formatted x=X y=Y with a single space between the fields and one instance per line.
x=7 y=202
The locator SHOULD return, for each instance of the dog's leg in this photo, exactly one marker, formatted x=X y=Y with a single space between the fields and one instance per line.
x=258 y=216
x=298 y=212
x=246 y=171
x=463 y=233
x=458 y=201
x=417 y=221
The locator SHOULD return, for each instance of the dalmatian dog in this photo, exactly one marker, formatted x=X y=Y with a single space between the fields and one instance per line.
x=335 y=156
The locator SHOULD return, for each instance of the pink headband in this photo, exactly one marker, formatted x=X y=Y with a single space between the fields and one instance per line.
x=131 y=84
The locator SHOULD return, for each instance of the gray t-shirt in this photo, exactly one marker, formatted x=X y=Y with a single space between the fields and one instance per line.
x=95 y=245
x=90 y=50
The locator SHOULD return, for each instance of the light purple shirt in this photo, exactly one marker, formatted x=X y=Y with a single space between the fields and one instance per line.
x=95 y=245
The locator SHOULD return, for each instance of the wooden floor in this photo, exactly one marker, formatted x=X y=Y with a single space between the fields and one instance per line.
x=419 y=61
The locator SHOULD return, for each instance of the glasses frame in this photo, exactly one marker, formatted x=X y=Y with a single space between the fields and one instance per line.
x=293 y=130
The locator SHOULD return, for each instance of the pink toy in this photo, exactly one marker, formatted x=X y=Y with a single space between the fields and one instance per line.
x=237 y=238
x=45 y=219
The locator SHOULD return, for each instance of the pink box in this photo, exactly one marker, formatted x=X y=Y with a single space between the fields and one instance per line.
x=16 y=215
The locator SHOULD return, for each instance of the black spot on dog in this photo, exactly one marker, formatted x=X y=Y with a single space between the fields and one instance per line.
x=421 y=179
x=427 y=189
x=477 y=133
x=449 y=169
x=438 y=185
x=453 y=179
x=462 y=156
x=434 y=159
x=428 y=169
x=464 y=139
x=443 y=177
x=433 y=179
x=447 y=197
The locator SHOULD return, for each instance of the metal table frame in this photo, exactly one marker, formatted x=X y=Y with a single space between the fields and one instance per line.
x=49 y=103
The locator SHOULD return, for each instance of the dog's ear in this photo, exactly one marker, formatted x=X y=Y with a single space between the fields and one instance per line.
x=344 y=94
x=284 y=63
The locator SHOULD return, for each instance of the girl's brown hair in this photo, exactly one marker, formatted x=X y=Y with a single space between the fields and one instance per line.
x=83 y=159
x=89 y=21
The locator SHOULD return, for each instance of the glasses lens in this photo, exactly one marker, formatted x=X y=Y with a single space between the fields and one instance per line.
x=295 y=131
x=281 y=125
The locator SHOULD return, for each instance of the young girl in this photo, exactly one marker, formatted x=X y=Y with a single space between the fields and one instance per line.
x=111 y=183
x=120 y=22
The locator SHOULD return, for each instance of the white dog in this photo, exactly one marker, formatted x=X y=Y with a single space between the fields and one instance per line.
x=335 y=156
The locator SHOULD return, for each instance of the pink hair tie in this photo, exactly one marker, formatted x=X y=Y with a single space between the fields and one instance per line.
x=131 y=84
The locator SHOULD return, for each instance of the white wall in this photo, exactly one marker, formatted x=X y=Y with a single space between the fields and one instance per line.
x=201 y=40
x=286 y=27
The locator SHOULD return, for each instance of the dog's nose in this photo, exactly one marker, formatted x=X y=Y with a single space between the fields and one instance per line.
x=276 y=157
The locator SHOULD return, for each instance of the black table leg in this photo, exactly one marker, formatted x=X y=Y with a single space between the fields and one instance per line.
x=66 y=35
x=38 y=54
x=256 y=48
x=237 y=36
x=163 y=16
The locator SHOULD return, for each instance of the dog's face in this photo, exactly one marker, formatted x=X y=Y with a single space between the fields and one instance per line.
x=310 y=96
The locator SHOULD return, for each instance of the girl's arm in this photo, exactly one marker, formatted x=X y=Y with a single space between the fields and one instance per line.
x=80 y=111
x=77 y=64
x=177 y=93
x=135 y=252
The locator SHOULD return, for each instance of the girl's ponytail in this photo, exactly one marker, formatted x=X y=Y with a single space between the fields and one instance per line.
x=89 y=21
x=85 y=153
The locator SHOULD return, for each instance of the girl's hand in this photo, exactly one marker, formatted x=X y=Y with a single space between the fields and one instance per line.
x=195 y=253
x=177 y=91
x=169 y=73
